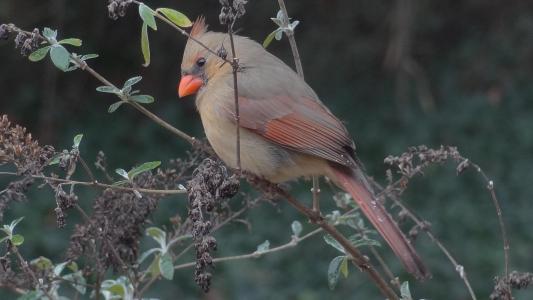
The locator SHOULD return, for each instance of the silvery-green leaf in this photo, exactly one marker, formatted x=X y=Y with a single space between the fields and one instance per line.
x=77 y=281
x=49 y=33
x=147 y=16
x=77 y=140
x=115 y=106
x=122 y=173
x=146 y=254
x=107 y=89
x=278 y=35
x=142 y=98
x=265 y=246
x=405 y=292
x=59 y=268
x=296 y=228
x=277 y=21
x=130 y=82
x=294 y=24
x=166 y=267
x=333 y=242
x=88 y=56
x=60 y=57
x=334 y=271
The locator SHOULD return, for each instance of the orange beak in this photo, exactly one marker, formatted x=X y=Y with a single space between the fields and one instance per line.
x=189 y=85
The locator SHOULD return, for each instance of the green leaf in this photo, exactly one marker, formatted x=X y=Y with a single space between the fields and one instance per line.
x=60 y=57
x=269 y=38
x=42 y=263
x=146 y=254
x=49 y=33
x=88 y=56
x=156 y=233
x=147 y=166
x=17 y=239
x=359 y=242
x=147 y=15
x=334 y=271
x=39 y=54
x=71 y=41
x=263 y=247
x=142 y=98
x=55 y=159
x=166 y=266
x=130 y=82
x=59 y=268
x=73 y=266
x=154 y=268
x=405 y=292
x=122 y=173
x=296 y=228
x=114 y=106
x=145 y=45
x=175 y=17
x=107 y=89
x=344 y=267
x=77 y=281
x=77 y=140
x=333 y=243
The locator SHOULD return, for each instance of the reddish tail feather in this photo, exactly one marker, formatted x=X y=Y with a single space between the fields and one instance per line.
x=354 y=182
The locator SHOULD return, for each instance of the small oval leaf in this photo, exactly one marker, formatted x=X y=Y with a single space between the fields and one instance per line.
x=147 y=166
x=114 y=106
x=142 y=98
x=60 y=57
x=147 y=15
x=175 y=17
x=39 y=54
x=17 y=239
x=122 y=173
x=130 y=82
x=269 y=38
x=166 y=267
x=334 y=271
x=296 y=228
x=145 y=45
x=77 y=140
x=71 y=41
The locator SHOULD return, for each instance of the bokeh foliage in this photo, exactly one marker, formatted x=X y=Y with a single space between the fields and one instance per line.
x=477 y=59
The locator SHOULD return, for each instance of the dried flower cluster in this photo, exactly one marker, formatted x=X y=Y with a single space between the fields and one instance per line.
x=231 y=11
x=18 y=148
x=117 y=8
x=27 y=42
x=208 y=187
x=515 y=280
x=417 y=158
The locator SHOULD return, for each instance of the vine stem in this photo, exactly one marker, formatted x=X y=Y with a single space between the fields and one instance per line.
x=235 y=69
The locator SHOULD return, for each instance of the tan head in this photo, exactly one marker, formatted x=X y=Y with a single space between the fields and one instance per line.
x=199 y=65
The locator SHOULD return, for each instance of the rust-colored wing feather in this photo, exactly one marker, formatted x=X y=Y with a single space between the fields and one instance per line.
x=302 y=125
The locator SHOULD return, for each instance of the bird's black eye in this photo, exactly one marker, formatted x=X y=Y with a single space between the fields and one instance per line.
x=200 y=62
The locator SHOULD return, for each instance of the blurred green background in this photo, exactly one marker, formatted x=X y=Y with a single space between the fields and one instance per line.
x=400 y=73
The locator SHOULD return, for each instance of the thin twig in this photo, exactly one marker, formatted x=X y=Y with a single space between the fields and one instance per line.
x=292 y=40
x=299 y=69
x=362 y=262
x=292 y=243
x=102 y=185
x=458 y=267
x=235 y=67
x=28 y=270
x=506 y=245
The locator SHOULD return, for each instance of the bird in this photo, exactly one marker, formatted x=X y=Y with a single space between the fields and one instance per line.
x=286 y=132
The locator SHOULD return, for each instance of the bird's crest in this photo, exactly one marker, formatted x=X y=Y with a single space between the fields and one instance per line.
x=199 y=27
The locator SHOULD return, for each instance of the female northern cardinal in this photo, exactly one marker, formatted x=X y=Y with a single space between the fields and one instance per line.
x=286 y=132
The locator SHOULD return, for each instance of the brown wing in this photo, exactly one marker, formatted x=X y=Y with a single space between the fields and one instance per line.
x=303 y=125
